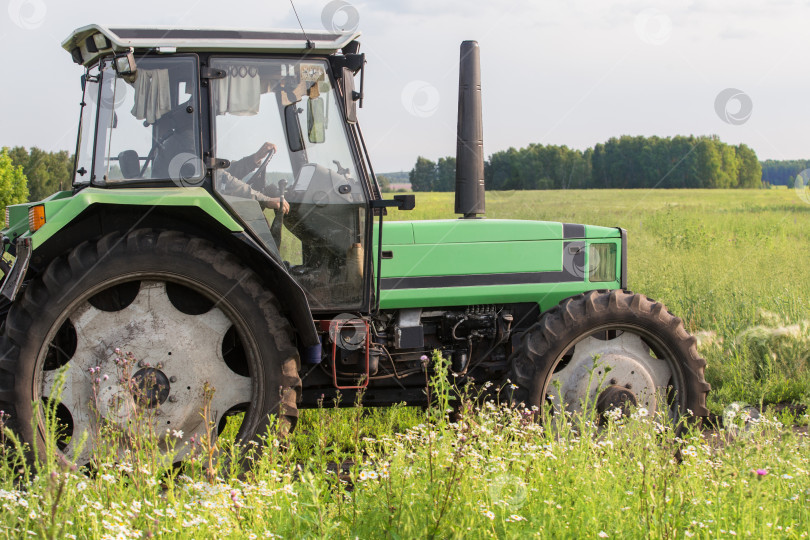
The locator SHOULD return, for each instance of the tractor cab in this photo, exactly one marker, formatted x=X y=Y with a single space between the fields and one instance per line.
x=258 y=119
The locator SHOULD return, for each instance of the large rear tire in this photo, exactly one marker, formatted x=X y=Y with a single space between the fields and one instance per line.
x=605 y=349
x=191 y=315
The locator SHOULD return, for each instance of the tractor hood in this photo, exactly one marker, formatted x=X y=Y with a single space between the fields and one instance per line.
x=485 y=261
x=454 y=231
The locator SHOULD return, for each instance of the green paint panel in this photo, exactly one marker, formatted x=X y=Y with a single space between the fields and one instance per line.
x=60 y=211
x=480 y=258
x=467 y=247
x=448 y=231
x=545 y=295
x=594 y=231
x=396 y=232
x=18 y=217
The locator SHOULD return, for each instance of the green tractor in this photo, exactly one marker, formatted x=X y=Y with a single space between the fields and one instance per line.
x=225 y=227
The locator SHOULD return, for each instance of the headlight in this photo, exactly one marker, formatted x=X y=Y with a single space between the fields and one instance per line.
x=602 y=262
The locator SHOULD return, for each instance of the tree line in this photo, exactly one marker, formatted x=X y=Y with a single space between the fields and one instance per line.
x=624 y=162
x=46 y=172
x=783 y=172
x=621 y=163
x=32 y=175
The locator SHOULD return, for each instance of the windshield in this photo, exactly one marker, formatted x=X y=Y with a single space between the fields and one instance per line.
x=148 y=127
x=291 y=174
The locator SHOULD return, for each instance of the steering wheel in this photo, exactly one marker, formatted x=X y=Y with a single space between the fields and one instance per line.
x=257 y=181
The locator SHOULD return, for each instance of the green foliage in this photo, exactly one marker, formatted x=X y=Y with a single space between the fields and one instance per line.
x=384 y=183
x=624 y=162
x=537 y=167
x=750 y=173
x=782 y=172
x=13 y=184
x=423 y=175
x=445 y=174
x=47 y=172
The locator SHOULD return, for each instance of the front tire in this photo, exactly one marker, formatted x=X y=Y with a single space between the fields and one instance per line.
x=191 y=314
x=605 y=349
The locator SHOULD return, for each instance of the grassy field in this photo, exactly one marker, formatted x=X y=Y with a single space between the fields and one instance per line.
x=731 y=263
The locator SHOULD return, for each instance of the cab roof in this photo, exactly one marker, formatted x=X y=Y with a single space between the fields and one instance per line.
x=88 y=43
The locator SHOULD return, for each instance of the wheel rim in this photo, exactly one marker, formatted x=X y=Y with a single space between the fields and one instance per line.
x=616 y=366
x=179 y=353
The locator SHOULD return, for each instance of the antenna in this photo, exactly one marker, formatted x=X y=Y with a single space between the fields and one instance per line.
x=310 y=45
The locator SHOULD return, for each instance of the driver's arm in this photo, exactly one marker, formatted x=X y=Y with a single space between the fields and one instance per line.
x=230 y=183
x=243 y=167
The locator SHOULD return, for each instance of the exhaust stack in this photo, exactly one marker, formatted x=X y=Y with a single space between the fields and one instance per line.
x=470 y=197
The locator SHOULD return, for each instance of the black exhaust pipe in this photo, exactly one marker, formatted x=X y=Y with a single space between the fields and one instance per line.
x=470 y=196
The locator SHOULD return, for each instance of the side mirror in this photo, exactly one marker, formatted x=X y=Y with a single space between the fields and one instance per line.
x=400 y=202
x=292 y=128
x=405 y=202
x=350 y=96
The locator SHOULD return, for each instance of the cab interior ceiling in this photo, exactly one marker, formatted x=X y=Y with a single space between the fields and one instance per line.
x=284 y=79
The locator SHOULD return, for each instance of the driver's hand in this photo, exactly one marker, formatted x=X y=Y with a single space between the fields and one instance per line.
x=262 y=152
x=273 y=203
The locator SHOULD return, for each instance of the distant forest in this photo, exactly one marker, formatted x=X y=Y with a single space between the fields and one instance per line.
x=620 y=163
x=782 y=173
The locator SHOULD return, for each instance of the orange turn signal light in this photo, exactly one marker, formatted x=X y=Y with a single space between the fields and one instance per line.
x=36 y=217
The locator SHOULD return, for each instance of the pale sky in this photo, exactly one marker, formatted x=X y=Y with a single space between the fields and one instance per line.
x=573 y=72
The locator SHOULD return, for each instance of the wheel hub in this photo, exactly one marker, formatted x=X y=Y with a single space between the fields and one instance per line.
x=151 y=387
x=615 y=396
x=618 y=370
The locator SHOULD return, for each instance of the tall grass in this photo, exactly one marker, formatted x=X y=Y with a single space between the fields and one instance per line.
x=494 y=473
